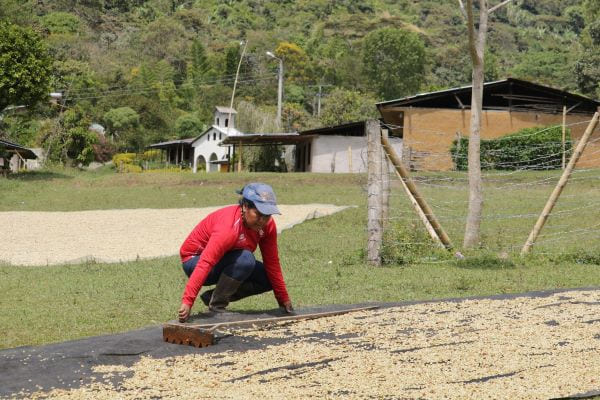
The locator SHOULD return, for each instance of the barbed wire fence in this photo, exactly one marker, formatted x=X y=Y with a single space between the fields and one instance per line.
x=416 y=216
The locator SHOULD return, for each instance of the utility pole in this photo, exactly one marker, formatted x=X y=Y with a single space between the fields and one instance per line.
x=279 y=87
x=319 y=95
x=237 y=73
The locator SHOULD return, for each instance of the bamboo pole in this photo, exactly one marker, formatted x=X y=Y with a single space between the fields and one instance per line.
x=415 y=193
x=561 y=184
x=374 y=227
x=420 y=213
x=564 y=134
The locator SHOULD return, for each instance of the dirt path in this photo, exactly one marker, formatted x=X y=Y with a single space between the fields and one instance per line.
x=535 y=346
x=46 y=238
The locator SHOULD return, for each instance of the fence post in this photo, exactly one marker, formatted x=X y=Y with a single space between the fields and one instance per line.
x=374 y=228
x=561 y=184
x=385 y=184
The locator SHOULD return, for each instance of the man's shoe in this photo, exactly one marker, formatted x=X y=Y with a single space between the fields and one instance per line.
x=222 y=293
x=206 y=296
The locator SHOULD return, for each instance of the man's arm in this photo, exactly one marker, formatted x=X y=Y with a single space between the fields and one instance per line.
x=270 y=255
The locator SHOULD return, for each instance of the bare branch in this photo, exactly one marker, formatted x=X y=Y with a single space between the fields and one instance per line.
x=462 y=9
x=497 y=6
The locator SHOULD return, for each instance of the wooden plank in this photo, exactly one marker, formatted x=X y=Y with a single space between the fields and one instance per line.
x=265 y=321
x=203 y=335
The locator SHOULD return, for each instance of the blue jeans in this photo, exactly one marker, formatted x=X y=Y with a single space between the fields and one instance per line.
x=237 y=264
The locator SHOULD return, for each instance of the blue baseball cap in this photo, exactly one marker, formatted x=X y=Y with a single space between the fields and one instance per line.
x=262 y=196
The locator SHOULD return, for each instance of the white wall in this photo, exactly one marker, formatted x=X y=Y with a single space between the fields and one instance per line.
x=204 y=147
x=330 y=153
x=38 y=162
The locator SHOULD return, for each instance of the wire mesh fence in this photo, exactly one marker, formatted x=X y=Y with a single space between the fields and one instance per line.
x=513 y=199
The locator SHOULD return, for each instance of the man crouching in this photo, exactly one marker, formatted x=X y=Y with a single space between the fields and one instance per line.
x=220 y=251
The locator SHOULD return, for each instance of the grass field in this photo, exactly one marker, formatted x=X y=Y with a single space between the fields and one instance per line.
x=323 y=259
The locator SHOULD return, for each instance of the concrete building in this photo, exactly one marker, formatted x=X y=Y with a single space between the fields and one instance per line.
x=337 y=149
x=332 y=149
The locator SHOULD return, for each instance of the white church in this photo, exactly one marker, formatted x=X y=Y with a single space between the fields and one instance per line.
x=207 y=154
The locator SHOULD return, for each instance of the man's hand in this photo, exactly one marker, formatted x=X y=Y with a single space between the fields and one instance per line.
x=184 y=312
x=287 y=307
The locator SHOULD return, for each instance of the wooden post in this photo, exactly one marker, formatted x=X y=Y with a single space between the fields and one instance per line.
x=385 y=182
x=374 y=230
x=412 y=188
x=561 y=184
x=350 y=159
x=239 y=168
x=564 y=128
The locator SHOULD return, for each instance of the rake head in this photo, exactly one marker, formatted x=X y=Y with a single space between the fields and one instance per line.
x=188 y=335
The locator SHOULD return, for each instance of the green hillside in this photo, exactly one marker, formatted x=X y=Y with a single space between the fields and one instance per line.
x=153 y=70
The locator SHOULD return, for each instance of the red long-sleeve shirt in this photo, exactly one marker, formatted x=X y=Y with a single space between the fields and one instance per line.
x=222 y=231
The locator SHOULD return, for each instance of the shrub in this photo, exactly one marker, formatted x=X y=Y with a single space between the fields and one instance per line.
x=588 y=257
x=151 y=155
x=129 y=168
x=125 y=158
x=485 y=260
x=103 y=149
x=537 y=148
x=170 y=169
x=406 y=244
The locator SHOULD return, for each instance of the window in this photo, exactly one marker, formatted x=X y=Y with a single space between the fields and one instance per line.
x=215 y=136
x=217 y=121
x=220 y=135
x=226 y=122
x=309 y=150
x=208 y=137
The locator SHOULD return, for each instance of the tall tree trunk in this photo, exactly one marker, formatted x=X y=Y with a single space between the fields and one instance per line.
x=476 y=47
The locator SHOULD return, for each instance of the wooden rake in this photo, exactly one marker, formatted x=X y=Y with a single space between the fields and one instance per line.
x=203 y=335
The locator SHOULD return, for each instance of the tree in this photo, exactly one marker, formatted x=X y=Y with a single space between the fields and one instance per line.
x=71 y=141
x=25 y=67
x=394 y=62
x=232 y=59
x=587 y=68
x=295 y=61
x=119 y=120
x=343 y=106
x=477 y=37
x=61 y=23
x=188 y=126
x=165 y=40
x=199 y=65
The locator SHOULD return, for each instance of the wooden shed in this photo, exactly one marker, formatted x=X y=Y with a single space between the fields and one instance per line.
x=429 y=122
x=17 y=152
